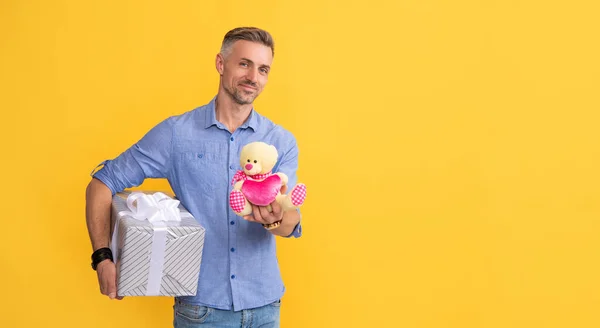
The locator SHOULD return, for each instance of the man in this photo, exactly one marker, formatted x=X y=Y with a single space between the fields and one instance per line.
x=198 y=153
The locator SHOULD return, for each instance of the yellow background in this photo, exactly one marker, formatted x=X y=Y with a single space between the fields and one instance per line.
x=451 y=150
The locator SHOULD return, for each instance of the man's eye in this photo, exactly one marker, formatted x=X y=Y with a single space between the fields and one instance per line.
x=244 y=64
x=264 y=70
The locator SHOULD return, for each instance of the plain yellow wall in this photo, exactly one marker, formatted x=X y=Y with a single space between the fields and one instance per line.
x=451 y=150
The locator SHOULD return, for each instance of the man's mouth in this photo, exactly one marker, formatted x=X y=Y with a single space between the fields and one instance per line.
x=246 y=86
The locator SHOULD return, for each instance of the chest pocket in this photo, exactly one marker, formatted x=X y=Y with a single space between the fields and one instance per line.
x=202 y=169
x=204 y=154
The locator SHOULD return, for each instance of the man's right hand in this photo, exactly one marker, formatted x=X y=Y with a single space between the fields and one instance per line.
x=107 y=279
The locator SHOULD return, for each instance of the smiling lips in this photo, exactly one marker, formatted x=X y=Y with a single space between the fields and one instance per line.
x=246 y=86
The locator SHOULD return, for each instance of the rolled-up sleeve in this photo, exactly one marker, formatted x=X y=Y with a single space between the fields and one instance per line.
x=289 y=165
x=148 y=158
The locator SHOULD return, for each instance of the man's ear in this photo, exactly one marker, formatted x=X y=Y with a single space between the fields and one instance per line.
x=220 y=63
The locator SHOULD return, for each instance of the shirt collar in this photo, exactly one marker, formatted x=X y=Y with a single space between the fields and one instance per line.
x=211 y=117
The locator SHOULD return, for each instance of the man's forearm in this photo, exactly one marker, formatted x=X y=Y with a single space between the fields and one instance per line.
x=288 y=223
x=97 y=212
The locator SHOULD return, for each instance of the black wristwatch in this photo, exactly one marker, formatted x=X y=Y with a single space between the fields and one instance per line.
x=100 y=255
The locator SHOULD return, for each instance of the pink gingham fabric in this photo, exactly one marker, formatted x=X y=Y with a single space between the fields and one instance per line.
x=298 y=194
x=241 y=175
x=237 y=201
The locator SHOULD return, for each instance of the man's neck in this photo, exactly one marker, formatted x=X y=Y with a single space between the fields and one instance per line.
x=230 y=113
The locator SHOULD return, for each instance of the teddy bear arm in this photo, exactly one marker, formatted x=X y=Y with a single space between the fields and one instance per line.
x=238 y=185
x=284 y=178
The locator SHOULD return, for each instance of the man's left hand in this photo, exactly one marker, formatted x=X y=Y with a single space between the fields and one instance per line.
x=261 y=214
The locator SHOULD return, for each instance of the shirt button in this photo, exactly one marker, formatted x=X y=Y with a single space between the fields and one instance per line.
x=231 y=167
x=232 y=222
x=231 y=139
x=233 y=249
x=232 y=276
x=199 y=155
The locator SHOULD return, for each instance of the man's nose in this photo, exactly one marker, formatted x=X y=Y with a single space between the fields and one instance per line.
x=251 y=75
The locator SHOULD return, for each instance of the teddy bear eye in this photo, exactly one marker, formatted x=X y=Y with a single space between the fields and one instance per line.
x=255 y=161
x=248 y=161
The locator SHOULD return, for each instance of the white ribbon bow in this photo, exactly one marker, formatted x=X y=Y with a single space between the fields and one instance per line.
x=154 y=208
x=157 y=208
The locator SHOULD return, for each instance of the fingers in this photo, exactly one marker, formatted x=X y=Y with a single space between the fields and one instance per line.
x=112 y=287
x=256 y=212
x=276 y=209
x=102 y=284
x=107 y=277
x=283 y=189
x=102 y=278
x=266 y=215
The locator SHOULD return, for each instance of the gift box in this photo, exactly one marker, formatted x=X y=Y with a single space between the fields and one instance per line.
x=157 y=245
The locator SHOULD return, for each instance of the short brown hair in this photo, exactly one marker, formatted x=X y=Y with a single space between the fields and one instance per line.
x=252 y=34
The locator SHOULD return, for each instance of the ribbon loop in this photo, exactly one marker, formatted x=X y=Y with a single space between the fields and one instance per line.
x=154 y=208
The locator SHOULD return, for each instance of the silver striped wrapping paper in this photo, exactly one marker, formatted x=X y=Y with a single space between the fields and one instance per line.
x=183 y=253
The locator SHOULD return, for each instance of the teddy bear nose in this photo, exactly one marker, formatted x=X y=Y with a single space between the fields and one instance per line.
x=248 y=166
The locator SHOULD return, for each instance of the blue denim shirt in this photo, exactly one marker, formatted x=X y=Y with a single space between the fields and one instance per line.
x=199 y=156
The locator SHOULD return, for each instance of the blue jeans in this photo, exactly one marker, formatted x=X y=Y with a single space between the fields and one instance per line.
x=193 y=316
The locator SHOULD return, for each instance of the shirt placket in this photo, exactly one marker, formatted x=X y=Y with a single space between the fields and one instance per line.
x=233 y=219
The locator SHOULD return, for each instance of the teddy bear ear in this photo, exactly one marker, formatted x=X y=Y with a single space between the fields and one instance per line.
x=275 y=153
